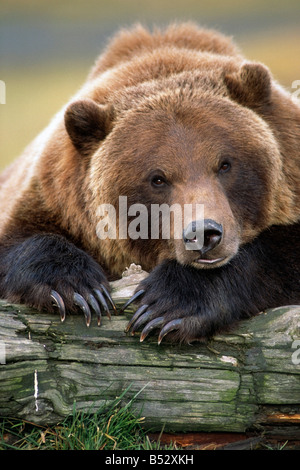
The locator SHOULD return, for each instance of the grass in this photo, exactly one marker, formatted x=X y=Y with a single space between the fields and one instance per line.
x=279 y=50
x=113 y=427
x=33 y=96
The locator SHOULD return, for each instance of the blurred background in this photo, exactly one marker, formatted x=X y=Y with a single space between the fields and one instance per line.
x=48 y=47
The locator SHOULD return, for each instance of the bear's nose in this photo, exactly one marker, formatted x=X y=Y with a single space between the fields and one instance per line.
x=202 y=235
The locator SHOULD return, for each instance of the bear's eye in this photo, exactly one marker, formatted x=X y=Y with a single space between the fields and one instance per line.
x=158 y=181
x=224 y=167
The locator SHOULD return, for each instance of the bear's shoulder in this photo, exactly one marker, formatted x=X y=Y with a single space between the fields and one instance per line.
x=130 y=43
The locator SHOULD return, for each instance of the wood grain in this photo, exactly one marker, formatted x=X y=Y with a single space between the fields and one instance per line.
x=248 y=379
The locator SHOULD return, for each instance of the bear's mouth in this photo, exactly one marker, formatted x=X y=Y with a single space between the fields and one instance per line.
x=208 y=261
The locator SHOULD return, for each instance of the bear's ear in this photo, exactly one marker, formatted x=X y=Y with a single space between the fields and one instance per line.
x=250 y=86
x=87 y=123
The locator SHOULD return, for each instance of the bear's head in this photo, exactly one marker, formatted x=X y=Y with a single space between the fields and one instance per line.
x=198 y=168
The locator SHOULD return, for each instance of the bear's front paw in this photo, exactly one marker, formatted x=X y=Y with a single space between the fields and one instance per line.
x=95 y=300
x=47 y=272
x=164 y=317
x=171 y=302
x=147 y=314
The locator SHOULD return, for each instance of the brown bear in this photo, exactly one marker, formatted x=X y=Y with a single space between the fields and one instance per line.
x=175 y=119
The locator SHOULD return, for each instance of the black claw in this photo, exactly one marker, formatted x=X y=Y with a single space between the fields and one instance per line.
x=59 y=303
x=137 y=314
x=155 y=323
x=172 y=325
x=94 y=304
x=81 y=302
x=102 y=301
x=132 y=299
x=105 y=291
x=141 y=320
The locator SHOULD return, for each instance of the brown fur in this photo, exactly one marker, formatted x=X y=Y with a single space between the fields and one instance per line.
x=159 y=98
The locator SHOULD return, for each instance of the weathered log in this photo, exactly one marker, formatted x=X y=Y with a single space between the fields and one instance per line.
x=248 y=379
